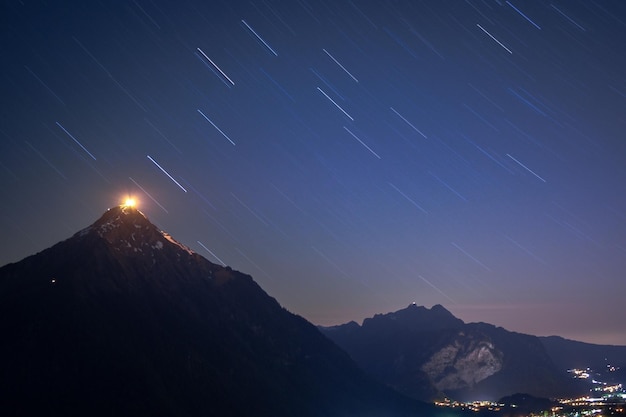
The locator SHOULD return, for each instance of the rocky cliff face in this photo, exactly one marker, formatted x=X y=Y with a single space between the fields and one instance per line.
x=463 y=363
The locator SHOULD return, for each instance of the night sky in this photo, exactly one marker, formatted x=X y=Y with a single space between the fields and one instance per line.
x=352 y=156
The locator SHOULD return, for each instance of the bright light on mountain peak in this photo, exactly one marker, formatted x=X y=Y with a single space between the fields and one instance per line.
x=130 y=202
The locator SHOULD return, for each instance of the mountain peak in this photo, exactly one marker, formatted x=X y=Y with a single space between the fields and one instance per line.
x=156 y=329
x=414 y=316
x=127 y=229
x=439 y=312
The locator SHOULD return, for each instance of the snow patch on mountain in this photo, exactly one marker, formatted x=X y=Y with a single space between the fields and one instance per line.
x=175 y=242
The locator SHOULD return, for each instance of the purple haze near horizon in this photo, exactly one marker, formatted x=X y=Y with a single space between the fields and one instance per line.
x=352 y=156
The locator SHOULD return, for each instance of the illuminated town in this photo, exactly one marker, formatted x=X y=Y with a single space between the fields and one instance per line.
x=604 y=399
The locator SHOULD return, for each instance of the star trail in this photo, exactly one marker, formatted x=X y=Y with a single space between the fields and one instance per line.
x=352 y=156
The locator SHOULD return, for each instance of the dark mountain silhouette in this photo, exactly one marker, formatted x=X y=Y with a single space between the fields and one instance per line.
x=121 y=320
x=607 y=362
x=430 y=353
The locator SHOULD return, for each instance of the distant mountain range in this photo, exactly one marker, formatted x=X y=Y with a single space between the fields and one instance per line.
x=429 y=353
x=122 y=320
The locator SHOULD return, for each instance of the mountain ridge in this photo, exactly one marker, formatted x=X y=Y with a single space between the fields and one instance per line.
x=429 y=353
x=121 y=319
